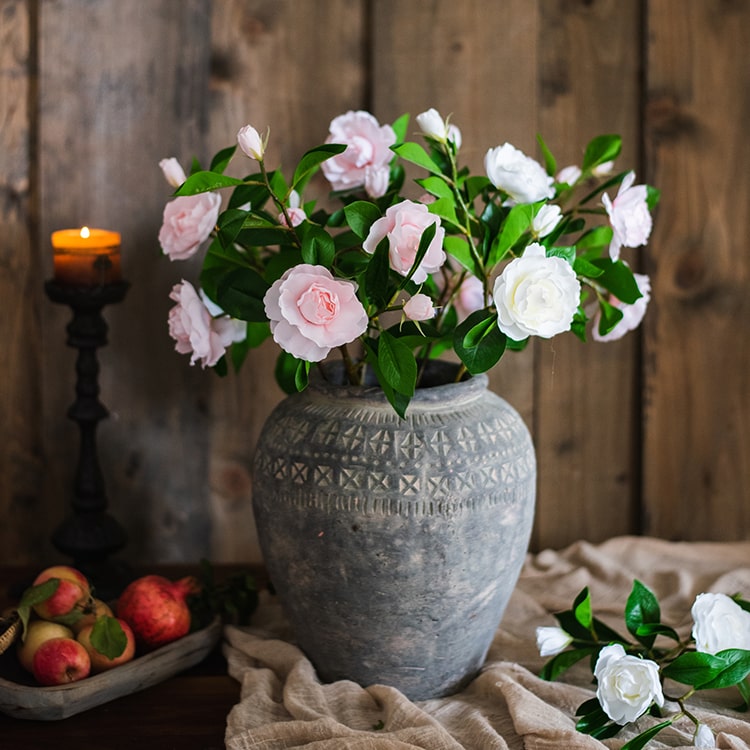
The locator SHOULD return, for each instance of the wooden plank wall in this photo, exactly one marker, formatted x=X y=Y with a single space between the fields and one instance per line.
x=649 y=435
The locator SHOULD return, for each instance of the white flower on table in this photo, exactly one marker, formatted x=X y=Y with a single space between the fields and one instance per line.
x=719 y=623
x=627 y=685
x=551 y=640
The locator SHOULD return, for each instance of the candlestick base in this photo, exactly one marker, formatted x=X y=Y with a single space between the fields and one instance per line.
x=90 y=534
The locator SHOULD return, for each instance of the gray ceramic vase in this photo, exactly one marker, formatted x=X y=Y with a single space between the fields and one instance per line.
x=394 y=544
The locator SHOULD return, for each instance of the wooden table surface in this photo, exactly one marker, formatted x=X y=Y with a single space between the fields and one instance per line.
x=186 y=712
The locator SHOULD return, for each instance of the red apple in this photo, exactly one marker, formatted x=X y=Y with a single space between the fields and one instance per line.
x=59 y=661
x=91 y=613
x=156 y=610
x=73 y=593
x=100 y=661
x=37 y=633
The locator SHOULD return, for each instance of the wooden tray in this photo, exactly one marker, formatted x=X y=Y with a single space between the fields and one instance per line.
x=26 y=701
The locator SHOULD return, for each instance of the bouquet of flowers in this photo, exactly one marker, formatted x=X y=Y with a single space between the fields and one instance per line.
x=630 y=673
x=474 y=264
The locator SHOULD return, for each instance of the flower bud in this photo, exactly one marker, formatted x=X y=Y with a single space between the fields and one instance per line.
x=419 y=307
x=173 y=172
x=432 y=125
x=552 y=640
x=251 y=143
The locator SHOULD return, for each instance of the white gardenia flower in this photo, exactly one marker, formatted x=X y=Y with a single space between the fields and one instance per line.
x=173 y=172
x=627 y=685
x=251 y=143
x=719 y=623
x=552 y=640
x=546 y=219
x=536 y=295
x=704 y=737
x=518 y=175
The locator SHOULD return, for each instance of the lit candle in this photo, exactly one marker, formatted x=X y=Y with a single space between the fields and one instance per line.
x=86 y=257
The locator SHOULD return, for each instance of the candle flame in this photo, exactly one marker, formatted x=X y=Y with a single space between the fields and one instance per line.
x=85 y=232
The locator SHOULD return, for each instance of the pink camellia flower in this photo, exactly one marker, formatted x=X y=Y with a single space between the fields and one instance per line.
x=403 y=225
x=187 y=222
x=195 y=330
x=536 y=295
x=173 y=172
x=518 y=175
x=367 y=157
x=629 y=216
x=311 y=312
x=632 y=315
x=419 y=307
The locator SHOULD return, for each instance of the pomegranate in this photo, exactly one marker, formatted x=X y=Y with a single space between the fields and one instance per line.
x=156 y=609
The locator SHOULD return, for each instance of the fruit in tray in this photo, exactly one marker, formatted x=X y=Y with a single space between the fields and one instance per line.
x=157 y=609
x=67 y=633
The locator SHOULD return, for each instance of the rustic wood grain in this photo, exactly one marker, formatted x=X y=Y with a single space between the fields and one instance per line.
x=697 y=433
x=587 y=397
x=21 y=457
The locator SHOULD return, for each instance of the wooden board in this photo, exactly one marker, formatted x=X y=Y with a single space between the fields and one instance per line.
x=697 y=398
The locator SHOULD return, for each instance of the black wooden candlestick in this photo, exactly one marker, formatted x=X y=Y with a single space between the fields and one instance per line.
x=90 y=534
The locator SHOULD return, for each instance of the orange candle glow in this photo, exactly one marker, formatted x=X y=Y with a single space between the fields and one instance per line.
x=86 y=257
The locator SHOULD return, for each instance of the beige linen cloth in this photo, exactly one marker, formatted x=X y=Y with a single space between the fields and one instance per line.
x=283 y=705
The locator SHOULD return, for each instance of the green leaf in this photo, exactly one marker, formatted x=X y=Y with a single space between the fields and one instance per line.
x=710 y=671
x=399 y=401
x=517 y=222
x=311 y=160
x=204 y=182
x=317 y=244
x=656 y=629
x=639 y=742
x=597 y=237
x=459 y=248
x=400 y=126
x=108 y=637
x=600 y=150
x=360 y=216
x=436 y=186
x=230 y=223
x=584 y=268
x=642 y=608
x=582 y=609
x=35 y=595
x=549 y=161
x=652 y=197
x=377 y=274
x=568 y=254
x=563 y=661
x=617 y=278
x=222 y=158
x=479 y=342
x=397 y=364
x=610 y=317
x=237 y=291
x=253 y=192
x=414 y=153
x=291 y=373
